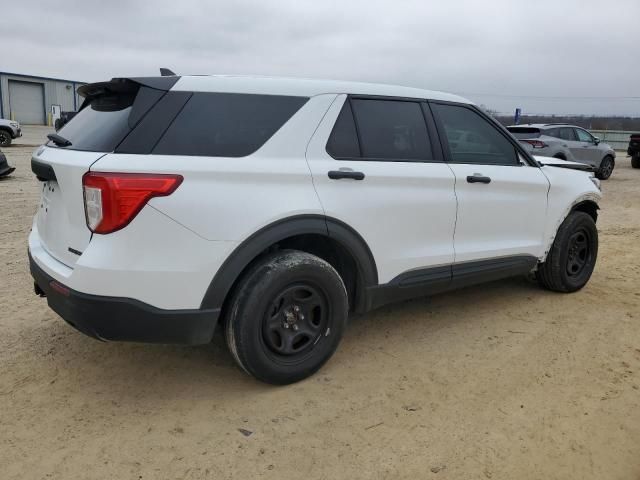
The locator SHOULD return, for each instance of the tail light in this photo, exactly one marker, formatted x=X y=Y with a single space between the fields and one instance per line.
x=112 y=200
x=536 y=143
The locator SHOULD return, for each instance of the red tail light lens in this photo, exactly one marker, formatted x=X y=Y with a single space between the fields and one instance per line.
x=112 y=200
x=536 y=143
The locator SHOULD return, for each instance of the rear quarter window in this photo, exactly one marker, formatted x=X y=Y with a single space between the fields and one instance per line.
x=226 y=124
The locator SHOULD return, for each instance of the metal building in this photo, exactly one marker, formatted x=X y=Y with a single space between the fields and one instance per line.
x=35 y=100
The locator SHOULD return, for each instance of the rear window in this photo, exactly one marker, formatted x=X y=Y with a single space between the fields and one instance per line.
x=226 y=124
x=524 y=132
x=99 y=126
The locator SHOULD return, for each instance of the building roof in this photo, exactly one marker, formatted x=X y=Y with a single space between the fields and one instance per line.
x=22 y=75
x=301 y=87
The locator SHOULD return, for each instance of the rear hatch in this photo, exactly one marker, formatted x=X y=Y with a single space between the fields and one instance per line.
x=109 y=113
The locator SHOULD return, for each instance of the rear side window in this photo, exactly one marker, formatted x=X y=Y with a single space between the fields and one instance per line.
x=552 y=132
x=100 y=126
x=567 y=134
x=391 y=130
x=226 y=124
x=472 y=138
x=524 y=132
x=343 y=142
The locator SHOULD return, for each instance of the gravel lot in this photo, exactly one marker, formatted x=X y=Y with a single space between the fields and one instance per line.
x=502 y=381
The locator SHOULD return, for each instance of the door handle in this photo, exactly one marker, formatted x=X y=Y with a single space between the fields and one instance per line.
x=338 y=174
x=477 y=178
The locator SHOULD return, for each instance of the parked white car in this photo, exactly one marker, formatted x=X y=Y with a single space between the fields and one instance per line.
x=274 y=207
x=567 y=142
x=9 y=131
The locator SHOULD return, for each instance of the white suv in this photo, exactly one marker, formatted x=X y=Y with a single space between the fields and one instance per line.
x=275 y=207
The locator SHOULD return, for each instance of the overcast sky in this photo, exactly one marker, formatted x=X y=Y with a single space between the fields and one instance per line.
x=501 y=53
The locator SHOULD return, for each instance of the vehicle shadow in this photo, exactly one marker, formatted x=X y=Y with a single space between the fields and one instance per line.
x=128 y=372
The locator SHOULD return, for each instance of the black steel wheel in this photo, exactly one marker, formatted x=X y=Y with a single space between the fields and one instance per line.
x=579 y=253
x=286 y=317
x=5 y=138
x=295 y=321
x=606 y=168
x=572 y=258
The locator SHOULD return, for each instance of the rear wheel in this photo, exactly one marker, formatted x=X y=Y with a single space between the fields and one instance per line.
x=606 y=168
x=286 y=317
x=635 y=161
x=572 y=257
x=5 y=138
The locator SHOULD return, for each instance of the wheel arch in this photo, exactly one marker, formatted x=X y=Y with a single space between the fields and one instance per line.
x=586 y=203
x=610 y=155
x=326 y=237
x=587 y=206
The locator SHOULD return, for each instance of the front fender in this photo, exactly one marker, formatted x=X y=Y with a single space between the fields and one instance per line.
x=552 y=232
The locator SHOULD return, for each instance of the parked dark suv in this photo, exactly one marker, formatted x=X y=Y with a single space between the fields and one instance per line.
x=634 y=150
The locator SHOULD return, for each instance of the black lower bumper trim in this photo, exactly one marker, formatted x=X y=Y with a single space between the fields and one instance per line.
x=124 y=319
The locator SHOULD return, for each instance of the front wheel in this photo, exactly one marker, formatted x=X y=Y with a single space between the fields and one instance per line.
x=572 y=258
x=5 y=138
x=286 y=317
x=635 y=161
x=606 y=168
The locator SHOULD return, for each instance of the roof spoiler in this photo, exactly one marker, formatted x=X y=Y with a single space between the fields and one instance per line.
x=126 y=85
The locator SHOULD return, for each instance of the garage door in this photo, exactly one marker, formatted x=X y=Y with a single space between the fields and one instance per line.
x=26 y=102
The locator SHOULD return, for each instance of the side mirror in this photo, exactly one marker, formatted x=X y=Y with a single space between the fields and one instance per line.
x=596 y=140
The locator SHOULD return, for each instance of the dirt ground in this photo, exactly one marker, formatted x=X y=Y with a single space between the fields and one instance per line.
x=502 y=381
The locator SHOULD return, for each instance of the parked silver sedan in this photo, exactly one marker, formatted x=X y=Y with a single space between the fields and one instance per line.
x=566 y=142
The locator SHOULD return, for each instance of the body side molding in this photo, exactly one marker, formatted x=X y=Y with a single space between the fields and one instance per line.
x=432 y=280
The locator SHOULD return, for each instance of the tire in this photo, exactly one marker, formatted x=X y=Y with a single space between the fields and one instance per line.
x=5 y=138
x=559 y=156
x=635 y=161
x=286 y=317
x=606 y=168
x=572 y=258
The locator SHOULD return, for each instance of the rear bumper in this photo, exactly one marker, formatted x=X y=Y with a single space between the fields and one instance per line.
x=124 y=319
x=5 y=169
